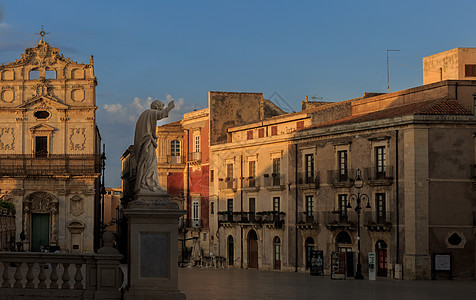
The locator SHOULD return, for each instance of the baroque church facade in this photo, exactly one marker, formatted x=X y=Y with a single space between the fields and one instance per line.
x=49 y=149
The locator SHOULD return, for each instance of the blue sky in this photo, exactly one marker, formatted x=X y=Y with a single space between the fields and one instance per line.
x=182 y=49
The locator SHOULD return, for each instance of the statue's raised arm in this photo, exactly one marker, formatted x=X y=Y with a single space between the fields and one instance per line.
x=145 y=144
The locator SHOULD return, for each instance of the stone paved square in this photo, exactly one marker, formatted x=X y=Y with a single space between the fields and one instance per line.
x=234 y=284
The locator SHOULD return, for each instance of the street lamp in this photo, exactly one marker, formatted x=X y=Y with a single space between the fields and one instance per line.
x=358 y=183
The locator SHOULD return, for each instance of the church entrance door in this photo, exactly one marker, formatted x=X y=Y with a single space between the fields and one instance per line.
x=40 y=231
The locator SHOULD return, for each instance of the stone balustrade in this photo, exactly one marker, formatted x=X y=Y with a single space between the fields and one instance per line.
x=60 y=275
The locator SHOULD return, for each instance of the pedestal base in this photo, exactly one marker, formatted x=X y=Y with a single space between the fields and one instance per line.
x=153 y=243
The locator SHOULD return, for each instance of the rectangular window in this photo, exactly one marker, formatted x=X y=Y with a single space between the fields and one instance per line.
x=380 y=161
x=212 y=208
x=251 y=173
x=342 y=165
x=175 y=148
x=261 y=133
x=252 y=208
x=196 y=143
x=381 y=211
x=309 y=207
x=469 y=70
x=276 y=171
x=249 y=135
x=230 y=205
x=41 y=146
x=309 y=175
x=343 y=207
x=212 y=175
x=229 y=176
x=300 y=125
x=274 y=130
x=195 y=214
x=276 y=204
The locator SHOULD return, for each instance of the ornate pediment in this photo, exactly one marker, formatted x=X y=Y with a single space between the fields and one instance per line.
x=42 y=55
x=42 y=102
x=43 y=128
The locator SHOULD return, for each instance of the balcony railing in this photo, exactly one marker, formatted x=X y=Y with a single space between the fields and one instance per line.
x=262 y=217
x=306 y=179
x=307 y=217
x=194 y=157
x=375 y=222
x=340 y=178
x=379 y=176
x=190 y=223
x=274 y=181
x=53 y=164
x=251 y=183
x=227 y=184
x=339 y=219
x=175 y=159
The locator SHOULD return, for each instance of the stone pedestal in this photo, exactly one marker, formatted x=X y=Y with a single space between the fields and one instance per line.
x=152 y=239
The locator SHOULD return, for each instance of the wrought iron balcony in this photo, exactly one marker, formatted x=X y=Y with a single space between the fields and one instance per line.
x=340 y=219
x=379 y=176
x=378 y=222
x=274 y=181
x=227 y=183
x=175 y=159
x=262 y=217
x=340 y=178
x=251 y=183
x=194 y=157
x=309 y=180
x=307 y=219
x=190 y=223
x=50 y=165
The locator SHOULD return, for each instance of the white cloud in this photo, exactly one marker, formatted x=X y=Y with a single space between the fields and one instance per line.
x=114 y=108
x=128 y=113
x=4 y=25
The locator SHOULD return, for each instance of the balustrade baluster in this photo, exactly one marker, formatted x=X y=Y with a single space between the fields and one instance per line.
x=54 y=276
x=78 y=277
x=6 y=276
x=65 y=277
x=42 y=276
x=18 y=276
x=30 y=276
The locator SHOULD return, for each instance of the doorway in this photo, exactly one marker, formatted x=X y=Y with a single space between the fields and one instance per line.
x=344 y=244
x=277 y=253
x=381 y=248
x=252 y=250
x=309 y=248
x=231 y=251
x=40 y=231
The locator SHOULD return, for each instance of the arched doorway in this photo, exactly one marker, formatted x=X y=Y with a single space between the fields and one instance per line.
x=40 y=216
x=252 y=249
x=277 y=253
x=231 y=251
x=381 y=249
x=309 y=246
x=344 y=244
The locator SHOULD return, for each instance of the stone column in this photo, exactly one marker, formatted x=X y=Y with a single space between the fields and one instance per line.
x=416 y=259
x=152 y=244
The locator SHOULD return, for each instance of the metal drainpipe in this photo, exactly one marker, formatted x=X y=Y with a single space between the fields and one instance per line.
x=396 y=198
x=241 y=206
x=296 y=203
x=187 y=191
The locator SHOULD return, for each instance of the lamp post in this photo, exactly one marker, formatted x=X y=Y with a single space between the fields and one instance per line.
x=359 y=198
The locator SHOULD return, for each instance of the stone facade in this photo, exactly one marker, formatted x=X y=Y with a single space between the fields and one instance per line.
x=458 y=63
x=49 y=146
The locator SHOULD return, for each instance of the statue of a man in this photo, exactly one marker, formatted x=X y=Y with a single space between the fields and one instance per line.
x=145 y=144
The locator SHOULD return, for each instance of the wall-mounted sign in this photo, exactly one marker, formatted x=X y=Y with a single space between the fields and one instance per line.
x=338 y=265
x=372 y=273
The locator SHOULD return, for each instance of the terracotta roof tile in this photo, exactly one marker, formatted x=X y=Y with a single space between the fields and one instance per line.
x=429 y=107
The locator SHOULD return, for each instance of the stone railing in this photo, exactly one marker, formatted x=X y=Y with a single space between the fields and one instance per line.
x=28 y=275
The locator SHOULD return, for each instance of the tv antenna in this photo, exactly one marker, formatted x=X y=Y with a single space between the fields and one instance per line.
x=388 y=72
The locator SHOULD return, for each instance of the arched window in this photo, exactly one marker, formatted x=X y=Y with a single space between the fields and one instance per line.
x=309 y=248
x=34 y=75
x=277 y=253
x=231 y=251
x=50 y=74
